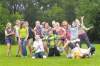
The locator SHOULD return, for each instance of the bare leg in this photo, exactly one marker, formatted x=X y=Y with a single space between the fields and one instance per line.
x=45 y=46
x=8 y=49
x=29 y=46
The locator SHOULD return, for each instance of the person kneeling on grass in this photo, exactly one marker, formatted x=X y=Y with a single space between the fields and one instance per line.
x=38 y=48
x=53 y=51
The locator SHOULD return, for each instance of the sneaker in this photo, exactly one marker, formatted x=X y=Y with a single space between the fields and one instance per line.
x=33 y=57
x=69 y=56
x=92 y=50
x=60 y=49
x=44 y=56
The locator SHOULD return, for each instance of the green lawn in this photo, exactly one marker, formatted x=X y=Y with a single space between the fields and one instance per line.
x=54 y=61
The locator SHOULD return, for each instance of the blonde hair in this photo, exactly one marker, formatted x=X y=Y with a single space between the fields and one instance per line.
x=8 y=24
x=77 y=21
x=65 y=23
x=57 y=24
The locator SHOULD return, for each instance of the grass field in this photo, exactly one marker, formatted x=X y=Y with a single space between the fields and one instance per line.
x=53 y=61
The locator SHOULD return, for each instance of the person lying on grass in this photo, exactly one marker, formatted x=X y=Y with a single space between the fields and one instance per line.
x=38 y=48
x=77 y=52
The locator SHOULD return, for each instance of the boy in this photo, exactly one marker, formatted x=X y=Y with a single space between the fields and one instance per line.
x=38 y=48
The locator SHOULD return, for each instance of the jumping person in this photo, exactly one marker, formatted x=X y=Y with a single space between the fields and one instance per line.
x=83 y=34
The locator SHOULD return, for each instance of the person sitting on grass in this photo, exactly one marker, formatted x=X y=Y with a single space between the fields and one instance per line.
x=38 y=48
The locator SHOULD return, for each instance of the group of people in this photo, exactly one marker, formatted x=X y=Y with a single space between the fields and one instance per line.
x=46 y=41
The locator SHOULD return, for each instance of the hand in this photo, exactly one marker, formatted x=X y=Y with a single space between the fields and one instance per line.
x=90 y=27
x=25 y=39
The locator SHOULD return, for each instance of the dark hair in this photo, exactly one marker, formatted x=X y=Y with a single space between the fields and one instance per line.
x=22 y=23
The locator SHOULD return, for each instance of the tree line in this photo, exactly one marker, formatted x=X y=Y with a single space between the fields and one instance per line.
x=48 y=10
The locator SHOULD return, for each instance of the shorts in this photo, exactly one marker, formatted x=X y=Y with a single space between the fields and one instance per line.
x=30 y=41
x=17 y=39
x=8 y=40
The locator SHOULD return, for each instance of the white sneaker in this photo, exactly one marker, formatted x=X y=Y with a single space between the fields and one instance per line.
x=33 y=57
x=44 y=56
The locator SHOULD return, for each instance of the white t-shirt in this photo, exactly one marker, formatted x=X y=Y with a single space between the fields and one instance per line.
x=38 y=46
x=82 y=51
x=16 y=31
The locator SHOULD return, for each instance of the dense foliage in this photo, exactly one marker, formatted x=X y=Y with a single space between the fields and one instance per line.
x=48 y=10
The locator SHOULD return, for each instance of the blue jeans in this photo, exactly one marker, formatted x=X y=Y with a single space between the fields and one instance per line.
x=23 y=46
x=38 y=55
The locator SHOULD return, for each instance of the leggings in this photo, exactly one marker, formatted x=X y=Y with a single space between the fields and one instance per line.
x=84 y=37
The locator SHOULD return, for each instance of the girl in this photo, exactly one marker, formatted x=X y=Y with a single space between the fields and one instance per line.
x=23 y=36
x=30 y=37
x=16 y=28
x=82 y=32
x=46 y=30
x=58 y=30
x=38 y=29
x=9 y=32
x=66 y=33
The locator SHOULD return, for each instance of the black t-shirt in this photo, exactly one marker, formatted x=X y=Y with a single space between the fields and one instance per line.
x=31 y=34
